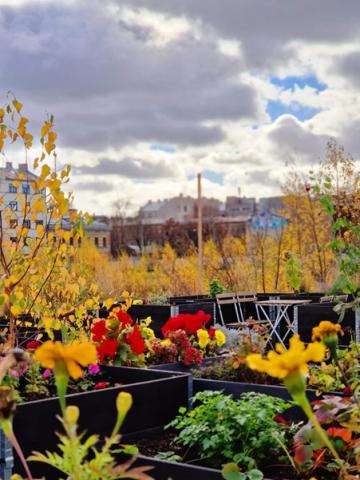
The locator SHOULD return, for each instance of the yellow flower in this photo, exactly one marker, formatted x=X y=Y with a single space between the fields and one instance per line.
x=325 y=329
x=203 y=337
x=220 y=338
x=149 y=332
x=56 y=355
x=166 y=342
x=283 y=363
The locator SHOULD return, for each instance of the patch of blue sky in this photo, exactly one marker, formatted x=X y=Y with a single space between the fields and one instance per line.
x=289 y=83
x=162 y=147
x=275 y=109
x=214 y=177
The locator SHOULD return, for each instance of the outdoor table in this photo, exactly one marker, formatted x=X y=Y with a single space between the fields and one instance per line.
x=282 y=312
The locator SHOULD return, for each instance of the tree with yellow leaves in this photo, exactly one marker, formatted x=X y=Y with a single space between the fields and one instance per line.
x=35 y=268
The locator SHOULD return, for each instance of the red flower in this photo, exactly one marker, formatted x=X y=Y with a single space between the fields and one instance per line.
x=189 y=322
x=101 y=385
x=212 y=331
x=99 y=330
x=135 y=340
x=107 y=349
x=192 y=356
x=124 y=319
x=32 y=345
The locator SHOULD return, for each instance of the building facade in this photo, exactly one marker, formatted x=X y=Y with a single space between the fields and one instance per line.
x=18 y=192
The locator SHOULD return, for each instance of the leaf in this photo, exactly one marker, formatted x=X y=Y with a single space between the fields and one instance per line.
x=231 y=471
x=303 y=453
x=17 y=105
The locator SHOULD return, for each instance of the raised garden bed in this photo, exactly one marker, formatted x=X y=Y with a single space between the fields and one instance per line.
x=309 y=316
x=35 y=422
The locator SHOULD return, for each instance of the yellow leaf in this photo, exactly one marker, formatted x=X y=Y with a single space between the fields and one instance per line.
x=49 y=147
x=2 y=113
x=15 y=310
x=52 y=136
x=45 y=128
x=40 y=230
x=45 y=170
x=108 y=302
x=18 y=105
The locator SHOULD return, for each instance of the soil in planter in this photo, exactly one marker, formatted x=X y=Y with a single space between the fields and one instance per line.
x=224 y=370
x=47 y=389
x=157 y=444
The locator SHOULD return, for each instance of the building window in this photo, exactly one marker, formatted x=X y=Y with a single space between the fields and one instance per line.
x=185 y=208
x=13 y=223
x=12 y=188
x=104 y=242
x=26 y=188
x=96 y=240
x=13 y=205
x=27 y=223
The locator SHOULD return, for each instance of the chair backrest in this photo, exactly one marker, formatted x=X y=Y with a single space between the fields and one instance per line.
x=246 y=297
x=327 y=299
x=341 y=298
x=226 y=298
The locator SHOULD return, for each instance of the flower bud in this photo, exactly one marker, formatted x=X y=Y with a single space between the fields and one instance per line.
x=72 y=414
x=124 y=402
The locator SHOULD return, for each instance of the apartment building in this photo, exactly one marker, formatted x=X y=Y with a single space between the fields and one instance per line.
x=17 y=185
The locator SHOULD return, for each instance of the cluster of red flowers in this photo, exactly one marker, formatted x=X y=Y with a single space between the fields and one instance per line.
x=135 y=340
x=188 y=322
x=107 y=338
x=192 y=356
x=178 y=349
x=164 y=353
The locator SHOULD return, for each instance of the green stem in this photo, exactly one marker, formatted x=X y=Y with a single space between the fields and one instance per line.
x=303 y=402
x=61 y=382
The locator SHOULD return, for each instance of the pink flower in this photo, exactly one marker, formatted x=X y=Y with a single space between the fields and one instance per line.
x=46 y=373
x=93 y=368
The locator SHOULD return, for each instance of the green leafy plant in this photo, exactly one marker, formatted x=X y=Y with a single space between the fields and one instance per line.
x=215 y=288
x=338 y=374
x=294 y=271
x=231 y=471
x=220 y=429
x=80 y=459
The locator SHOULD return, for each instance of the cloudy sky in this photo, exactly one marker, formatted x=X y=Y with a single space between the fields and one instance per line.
x=147 y=93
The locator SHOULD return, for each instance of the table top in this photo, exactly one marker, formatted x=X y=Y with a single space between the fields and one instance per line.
x=282 y=302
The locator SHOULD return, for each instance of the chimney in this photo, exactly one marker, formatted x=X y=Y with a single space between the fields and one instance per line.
x=8 y=166
x=23 y=167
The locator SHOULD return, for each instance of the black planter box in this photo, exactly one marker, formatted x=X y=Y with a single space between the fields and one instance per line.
x=309 y=316
x=164 y=470
x=35 y=423
x=237 y=388
x=159 y=314
x=189 y=299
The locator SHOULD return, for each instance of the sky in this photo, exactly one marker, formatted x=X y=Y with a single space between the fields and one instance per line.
x=148 y=93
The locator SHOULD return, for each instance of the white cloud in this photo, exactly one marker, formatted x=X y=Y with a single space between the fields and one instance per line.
x=120 y=75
